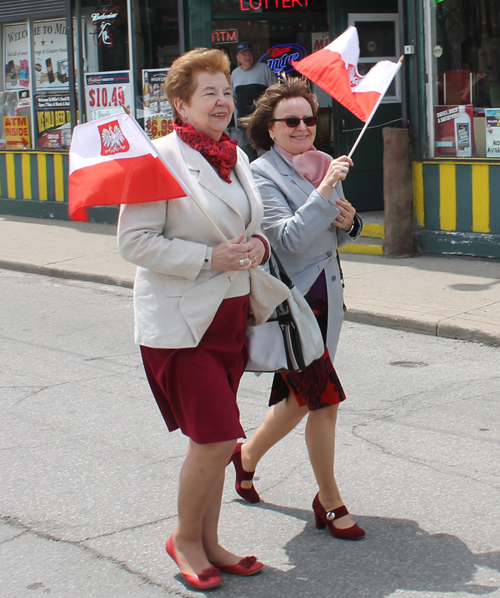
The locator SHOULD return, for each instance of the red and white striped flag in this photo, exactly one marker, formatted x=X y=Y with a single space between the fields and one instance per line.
x=112 y=161
x=335 y=69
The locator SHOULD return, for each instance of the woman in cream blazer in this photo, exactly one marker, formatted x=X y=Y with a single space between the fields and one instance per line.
x=193 y=294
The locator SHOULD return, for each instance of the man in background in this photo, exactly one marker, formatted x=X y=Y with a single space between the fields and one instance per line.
x=248 y=82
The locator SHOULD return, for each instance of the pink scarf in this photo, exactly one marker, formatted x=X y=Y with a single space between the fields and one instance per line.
x=311 y=165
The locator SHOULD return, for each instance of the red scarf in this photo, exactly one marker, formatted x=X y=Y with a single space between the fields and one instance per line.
x=220 y=154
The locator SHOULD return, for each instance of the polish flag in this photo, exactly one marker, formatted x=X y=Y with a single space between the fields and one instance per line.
x=335 y=69
x=112 y=161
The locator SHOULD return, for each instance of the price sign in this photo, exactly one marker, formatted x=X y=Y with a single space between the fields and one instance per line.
x=106 y=93
x=158 y=126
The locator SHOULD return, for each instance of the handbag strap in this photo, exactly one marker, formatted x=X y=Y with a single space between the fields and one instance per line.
x=279 y=272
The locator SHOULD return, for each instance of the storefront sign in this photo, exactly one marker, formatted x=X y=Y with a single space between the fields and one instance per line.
x=103 y=21
x=319 y=40
x=228 y=36
x=16 y=132
x=53 y=121
x=258 y=5
x=278 y=57
x=492 y=116
x=454 y=131
x=106 y=93
x=157 y=111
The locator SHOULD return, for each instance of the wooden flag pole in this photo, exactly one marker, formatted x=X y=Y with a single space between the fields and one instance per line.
x=224 y=238
x=363 y=130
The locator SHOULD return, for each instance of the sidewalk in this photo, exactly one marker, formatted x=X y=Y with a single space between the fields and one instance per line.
x=443 y=296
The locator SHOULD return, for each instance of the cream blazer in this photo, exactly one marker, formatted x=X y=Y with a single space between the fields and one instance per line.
x=175 y=300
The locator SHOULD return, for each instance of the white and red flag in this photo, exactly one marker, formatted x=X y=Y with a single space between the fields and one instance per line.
x=335 y=69
x=112 y=161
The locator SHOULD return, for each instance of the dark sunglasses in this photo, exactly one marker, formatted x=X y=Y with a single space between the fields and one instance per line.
x=293 y=121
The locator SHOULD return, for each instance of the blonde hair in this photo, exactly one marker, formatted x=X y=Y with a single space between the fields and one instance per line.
x=181 y=78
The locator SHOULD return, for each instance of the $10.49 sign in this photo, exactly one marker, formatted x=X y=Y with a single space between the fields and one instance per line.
x=106 y=93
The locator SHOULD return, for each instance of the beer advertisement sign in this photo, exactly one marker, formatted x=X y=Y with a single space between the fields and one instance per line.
x=53 y=121
x=107 y=93
x=157 y=112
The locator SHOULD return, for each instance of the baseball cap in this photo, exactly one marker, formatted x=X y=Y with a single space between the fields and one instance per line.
x=243 y=46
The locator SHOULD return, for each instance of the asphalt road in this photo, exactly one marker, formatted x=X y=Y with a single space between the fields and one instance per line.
x=89 y=472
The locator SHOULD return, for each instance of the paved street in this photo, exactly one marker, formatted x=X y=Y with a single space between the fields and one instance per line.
x=89 y=472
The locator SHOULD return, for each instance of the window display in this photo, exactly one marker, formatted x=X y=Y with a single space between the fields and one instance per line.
x=466 y=78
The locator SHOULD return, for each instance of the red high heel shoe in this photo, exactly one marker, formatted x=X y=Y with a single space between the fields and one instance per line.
x=326 y=519
x=249 y=494
x=209 y=578
x=247 y=566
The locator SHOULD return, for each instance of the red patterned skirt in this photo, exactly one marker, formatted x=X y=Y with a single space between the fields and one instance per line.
x=195 y=388
x=317 y=385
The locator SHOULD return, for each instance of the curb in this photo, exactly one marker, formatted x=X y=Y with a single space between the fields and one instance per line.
x=441 y=329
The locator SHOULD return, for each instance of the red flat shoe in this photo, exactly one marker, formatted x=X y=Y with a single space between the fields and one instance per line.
x=249 y=494
x=326 y=518
x=247 y=566
x=209 y=578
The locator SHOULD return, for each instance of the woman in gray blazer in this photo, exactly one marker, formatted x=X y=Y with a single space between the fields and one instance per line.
x=192 y=296
x=306 y=218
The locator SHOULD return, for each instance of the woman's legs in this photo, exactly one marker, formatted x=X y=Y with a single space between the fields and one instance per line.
x=279 y=421
x=320 y=439
x=200 y=491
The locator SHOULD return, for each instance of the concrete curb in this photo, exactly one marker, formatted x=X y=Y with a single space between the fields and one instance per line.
x=442 y=329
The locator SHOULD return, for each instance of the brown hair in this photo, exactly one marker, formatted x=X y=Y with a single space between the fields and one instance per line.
x=258 y=123
x=181 y=78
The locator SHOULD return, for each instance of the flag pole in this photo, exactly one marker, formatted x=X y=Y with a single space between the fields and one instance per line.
x=224 y=238
x=369 y=119
x=400 y=61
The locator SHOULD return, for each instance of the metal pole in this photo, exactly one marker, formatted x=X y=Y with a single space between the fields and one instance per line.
x=131 y=52
x=79 y=63
x=71 y=62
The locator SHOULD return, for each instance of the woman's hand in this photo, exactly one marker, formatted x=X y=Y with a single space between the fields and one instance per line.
x=233 y=255
x=256 y=252
x=346 y=217
x=337 y=171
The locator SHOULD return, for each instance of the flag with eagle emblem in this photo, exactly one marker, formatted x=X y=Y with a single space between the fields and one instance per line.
x=112 y=161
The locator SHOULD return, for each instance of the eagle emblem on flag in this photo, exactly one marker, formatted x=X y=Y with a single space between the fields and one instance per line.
x=113 y=141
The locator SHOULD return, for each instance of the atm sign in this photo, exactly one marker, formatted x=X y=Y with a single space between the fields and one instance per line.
x=228 y=36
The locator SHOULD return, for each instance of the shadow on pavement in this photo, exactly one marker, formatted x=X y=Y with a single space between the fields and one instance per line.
x=396 y=554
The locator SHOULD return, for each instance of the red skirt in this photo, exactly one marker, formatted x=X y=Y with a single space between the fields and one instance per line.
x=195 y=388
x=317 y=385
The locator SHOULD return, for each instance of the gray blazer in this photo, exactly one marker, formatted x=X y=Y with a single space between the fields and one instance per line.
x=298 y=222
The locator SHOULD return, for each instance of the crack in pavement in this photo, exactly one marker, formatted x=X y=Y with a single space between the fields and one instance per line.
x=15 y=522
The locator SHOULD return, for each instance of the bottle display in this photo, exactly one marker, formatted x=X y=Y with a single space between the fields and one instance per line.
x=463 y=141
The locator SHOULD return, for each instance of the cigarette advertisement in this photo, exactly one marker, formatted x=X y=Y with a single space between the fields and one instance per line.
x=157 y=111
x=107 y=93
x=53 y=121
x=492 y=117
x=454 y=131
x=16 y=56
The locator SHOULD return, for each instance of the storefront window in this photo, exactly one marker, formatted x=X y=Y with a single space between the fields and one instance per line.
x=465 y=57
x=158 y=44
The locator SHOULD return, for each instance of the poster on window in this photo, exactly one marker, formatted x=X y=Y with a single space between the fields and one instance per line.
x=492 y=117
x=107 y=93
x=157 y=110
x=51 y=55
x=454 y=131
x=53 y=121
x=16 y=56
x=14 y=114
